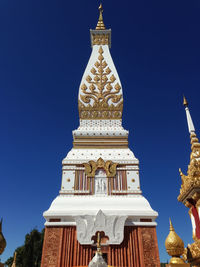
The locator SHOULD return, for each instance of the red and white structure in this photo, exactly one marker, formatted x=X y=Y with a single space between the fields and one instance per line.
x=100 y=190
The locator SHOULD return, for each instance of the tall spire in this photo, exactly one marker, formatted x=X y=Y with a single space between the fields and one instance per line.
x=193 y=175
x=100 y=24
x=189 y=119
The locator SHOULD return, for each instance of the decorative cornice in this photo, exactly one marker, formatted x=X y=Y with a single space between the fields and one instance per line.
x=108 y=166
x=100 y=39
x=100 y=142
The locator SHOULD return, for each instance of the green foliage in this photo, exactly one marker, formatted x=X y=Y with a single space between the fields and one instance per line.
x=30 y=253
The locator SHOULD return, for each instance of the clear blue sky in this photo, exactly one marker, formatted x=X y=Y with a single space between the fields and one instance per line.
x=44 y=49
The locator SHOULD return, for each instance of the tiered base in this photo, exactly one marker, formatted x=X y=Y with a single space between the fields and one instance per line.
x=139 y=249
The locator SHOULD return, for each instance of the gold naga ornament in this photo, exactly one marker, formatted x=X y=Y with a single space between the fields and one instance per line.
x=174 y=246
x=108 y=166
x=97 y=100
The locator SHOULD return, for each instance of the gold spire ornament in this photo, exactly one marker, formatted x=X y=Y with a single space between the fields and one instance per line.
x=100 y=24
x=174 y=246
x=185 y=103
x=191 y=182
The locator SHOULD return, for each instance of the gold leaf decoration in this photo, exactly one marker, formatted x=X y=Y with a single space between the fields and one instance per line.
x=108 y=166
x=100 y=93
x=191 y=181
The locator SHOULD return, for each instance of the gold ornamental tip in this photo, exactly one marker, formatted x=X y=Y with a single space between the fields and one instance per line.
x=185 y=103
x=174 y=244
x=100 y=24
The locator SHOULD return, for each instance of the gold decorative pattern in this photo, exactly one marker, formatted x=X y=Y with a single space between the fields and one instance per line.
x=191 y=181
x=100 y=39
x=51 y=248
x=100 y=92
x=108 y=166
x=192 y=253
x=174 y=246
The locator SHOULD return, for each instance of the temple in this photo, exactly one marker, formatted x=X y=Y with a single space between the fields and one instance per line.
x=100 y=190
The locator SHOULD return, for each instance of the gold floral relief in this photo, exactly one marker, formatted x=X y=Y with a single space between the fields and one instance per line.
x=101 y=99
x=100 y=39
x=192 y=252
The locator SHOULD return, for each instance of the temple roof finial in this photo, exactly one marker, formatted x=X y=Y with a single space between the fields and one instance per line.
x=100 y=24
x=185 y=103
x=189 y=118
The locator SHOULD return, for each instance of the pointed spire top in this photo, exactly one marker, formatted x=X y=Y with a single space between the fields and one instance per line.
x=171 y=228
x=189 y=118
x=100 y=24
x=185 y=103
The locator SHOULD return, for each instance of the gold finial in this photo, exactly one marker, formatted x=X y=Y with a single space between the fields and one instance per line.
x=100 y=24
x=185 y=103
x=174 y=246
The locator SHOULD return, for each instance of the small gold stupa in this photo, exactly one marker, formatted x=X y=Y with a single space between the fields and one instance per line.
x=174 y=246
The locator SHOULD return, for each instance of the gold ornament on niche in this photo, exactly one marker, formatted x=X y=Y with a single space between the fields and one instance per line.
x=108 y=166
x=99 y=97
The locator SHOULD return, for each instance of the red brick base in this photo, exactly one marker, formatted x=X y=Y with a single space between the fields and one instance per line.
x=139 y=249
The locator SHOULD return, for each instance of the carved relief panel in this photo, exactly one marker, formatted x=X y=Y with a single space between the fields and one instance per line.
x=101 y=182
